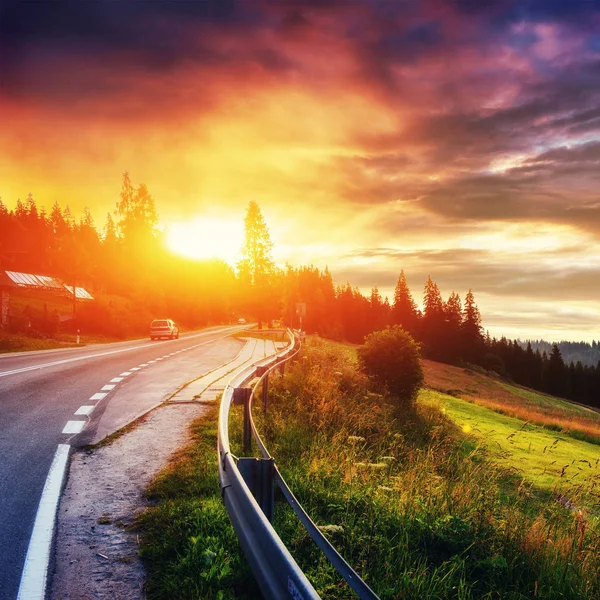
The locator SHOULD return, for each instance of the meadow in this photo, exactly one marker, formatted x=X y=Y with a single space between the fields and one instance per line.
x=488 y=390
x=452 y=501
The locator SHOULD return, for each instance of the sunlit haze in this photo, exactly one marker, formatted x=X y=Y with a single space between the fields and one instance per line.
x=457 y=140
x=205 y=238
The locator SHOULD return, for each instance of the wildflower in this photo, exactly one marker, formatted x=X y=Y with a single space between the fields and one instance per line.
x=378 y=466
x=354 y=439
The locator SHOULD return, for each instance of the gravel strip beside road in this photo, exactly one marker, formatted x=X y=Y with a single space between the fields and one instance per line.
x=96 y=557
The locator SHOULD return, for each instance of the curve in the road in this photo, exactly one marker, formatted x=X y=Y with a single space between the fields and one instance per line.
x=35 y=570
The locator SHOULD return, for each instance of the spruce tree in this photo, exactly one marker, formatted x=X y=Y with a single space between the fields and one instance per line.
x=404 y=309
x=433 y=320
x=472 y=331
x=256 y=268
x=556 y=373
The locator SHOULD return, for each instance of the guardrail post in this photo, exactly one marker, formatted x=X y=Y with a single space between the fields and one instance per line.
x=242 y=395
x=247 y=427
x=265 y=392
x=258 y=473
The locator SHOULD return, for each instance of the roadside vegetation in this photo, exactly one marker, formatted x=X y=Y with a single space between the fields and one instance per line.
x=189 y=547
x=420 y=503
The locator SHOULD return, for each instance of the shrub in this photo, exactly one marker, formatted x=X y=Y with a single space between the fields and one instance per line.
x=390 y=358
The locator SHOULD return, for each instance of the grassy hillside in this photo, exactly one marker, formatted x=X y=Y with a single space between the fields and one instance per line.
x=490 y=391
x=451 y=501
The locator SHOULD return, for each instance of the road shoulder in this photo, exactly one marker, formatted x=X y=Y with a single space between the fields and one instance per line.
x=96 y=554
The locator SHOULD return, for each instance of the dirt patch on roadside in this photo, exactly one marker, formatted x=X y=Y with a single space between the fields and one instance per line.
x=96 y=554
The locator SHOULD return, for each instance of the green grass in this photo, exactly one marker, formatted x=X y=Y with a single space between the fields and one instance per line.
x=20 y=343
x=419 y=507
x=554 y=414
x=188 y=545
x=548 y=459
x=546 y=401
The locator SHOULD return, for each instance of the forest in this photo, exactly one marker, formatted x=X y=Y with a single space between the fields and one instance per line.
x=134 y=277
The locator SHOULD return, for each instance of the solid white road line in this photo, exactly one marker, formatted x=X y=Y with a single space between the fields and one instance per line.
x=117 y=379
x=74 y=426
x=108 y=387
x=35 y=570
x=84 y=410
x=98 y=396
x=109 y=352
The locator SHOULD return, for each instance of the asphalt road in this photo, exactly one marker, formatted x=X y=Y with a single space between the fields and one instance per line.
x=39 y=394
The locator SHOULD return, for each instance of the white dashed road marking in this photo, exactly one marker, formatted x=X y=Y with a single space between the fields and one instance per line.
x=74 y=427
x=98 y=396
x=108 y=387
x=84 y=410
x=117 y=379
x=135 y=369
x=125 y=374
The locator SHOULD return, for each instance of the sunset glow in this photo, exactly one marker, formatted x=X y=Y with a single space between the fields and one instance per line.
x=206 y=238
x=440 y=138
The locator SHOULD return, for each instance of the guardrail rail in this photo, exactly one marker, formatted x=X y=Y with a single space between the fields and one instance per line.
x=247 y=488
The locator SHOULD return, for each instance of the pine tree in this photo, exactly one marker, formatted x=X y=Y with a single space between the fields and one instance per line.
x=110 y=231
x=256 y=268
x=556 y=373
x=450 y=331
x=138 y=220
x=378 y=311
x=404 y=309
x=256 y=265
x=472 y=331
x=432 y=323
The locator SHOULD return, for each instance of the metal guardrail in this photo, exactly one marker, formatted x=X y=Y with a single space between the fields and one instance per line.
x=251 y=512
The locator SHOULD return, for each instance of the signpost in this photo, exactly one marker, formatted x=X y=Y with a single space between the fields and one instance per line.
x=301 y=311
x=4 y=308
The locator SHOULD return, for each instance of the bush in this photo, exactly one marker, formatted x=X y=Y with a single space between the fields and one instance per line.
x=390 y=358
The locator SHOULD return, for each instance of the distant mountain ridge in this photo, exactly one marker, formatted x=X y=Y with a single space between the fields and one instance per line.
x=588 y=354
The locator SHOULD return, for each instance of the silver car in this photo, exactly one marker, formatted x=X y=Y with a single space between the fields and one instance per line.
x=163 y=328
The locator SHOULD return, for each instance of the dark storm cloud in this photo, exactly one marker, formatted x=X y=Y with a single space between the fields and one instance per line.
x=443 y=62
x=557 y=186
x=573 y=11
x=124 y=35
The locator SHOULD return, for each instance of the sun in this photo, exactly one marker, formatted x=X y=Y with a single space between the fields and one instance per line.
x=207 y=237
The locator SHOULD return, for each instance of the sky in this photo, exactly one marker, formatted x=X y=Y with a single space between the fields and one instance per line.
x=457 y=139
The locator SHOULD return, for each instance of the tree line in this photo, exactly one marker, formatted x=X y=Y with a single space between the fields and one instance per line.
x=585 y=352
x=127 y=257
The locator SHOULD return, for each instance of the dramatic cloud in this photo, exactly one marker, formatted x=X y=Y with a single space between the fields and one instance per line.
x=446 y=137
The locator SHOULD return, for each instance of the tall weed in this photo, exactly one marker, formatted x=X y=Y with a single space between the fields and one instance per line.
x=412 y=503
